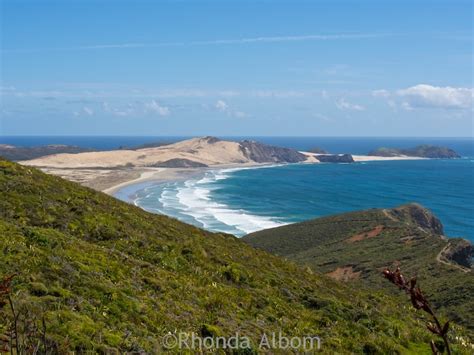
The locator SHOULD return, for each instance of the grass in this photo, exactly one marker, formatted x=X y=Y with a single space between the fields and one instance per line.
x=109 y=277
x=370 y=241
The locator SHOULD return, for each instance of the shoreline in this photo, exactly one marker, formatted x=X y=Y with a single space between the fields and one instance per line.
x=156 y=175
x=161 y=175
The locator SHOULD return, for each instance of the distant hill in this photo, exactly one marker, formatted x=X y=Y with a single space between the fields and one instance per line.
x=146 y=145
x=108 y=277
x=15 y=153
x=180 y=163
x=318 y=150
x=423 y=151
x=335 y=158
x=206 y=151
x=357 y=246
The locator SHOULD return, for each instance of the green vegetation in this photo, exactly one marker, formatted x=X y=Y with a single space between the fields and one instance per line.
x=358 y=246
x=107 y=276
x=25 y=153
x=424 y=151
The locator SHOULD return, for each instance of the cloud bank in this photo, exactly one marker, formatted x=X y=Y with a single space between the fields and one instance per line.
x=427 y=96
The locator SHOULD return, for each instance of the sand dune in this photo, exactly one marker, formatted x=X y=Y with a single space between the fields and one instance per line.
x=207 y=150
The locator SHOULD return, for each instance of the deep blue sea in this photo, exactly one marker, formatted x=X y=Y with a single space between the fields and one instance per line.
x=240 y=201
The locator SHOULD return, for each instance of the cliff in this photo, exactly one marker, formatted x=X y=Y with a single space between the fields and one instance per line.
x=262 y=153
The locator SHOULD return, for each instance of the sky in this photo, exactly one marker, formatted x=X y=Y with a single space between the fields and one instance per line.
x=235 y=68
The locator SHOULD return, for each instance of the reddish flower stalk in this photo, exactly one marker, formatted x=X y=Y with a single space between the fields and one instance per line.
x=419 y=301
x=5 y=290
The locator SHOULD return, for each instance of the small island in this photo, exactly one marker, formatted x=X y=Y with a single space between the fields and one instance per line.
x=422 y=151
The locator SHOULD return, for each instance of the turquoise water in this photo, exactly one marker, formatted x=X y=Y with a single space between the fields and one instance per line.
x=240 y=201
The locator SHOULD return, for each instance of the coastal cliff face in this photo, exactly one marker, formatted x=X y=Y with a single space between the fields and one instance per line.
x=459 y=251
x=357 y=246
x=420 y=216
x=262 y=153
x=422 y=151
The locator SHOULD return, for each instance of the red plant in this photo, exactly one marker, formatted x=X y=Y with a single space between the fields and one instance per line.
x=419 y=301
x=5 y=290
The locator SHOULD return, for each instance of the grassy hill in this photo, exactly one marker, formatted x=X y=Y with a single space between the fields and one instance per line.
x=356 y=247
x=110 y=277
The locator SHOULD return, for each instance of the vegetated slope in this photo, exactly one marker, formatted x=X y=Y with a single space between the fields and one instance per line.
x=107 y=275
x=15 y=153
x=423 y=151
x=357 y=246
x=204 y=151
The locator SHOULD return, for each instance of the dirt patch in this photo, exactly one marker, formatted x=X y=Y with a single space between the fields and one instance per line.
x=366 y=235
x=345 y=273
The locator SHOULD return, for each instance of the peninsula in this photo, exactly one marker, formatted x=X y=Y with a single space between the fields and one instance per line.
x=107 y=170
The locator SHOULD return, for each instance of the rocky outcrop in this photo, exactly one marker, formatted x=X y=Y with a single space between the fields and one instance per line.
x=459 y=251
x=179 y=163
x=419 y=215
x=335 y=158
x=262 y=153
x=422 y=151
x=210 y=139
x=318 y=150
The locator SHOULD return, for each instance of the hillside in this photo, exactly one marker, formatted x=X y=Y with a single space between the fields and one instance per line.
x=108 y=276
x=422 y=151
x=205 y=151
x=357 y=246
x=16 y=153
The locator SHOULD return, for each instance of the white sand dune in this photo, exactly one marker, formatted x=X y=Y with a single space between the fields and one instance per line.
x=362 y=158
x=205 y=150
x=313 y=157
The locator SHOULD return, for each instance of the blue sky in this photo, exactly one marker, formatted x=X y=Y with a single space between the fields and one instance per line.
x=309 y=68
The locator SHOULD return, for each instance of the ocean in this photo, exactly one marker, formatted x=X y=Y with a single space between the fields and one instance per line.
x=240 y=201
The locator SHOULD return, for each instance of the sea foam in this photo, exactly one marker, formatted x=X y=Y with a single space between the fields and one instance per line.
x=191 y=201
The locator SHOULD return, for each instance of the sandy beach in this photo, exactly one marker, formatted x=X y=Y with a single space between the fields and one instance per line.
x=364 y=158
x=156 y=175
x=159 y=175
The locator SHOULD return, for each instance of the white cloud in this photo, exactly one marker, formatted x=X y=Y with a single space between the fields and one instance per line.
x=127 y=111
x=261 y=39
x=380 y=93
x=154 y=107
x=279 y=94
x=428 y=96
x=229 y=93
x=321 y=117
x=221 y=105
x=88 y=111
x=342 y=104
x=240 y=114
